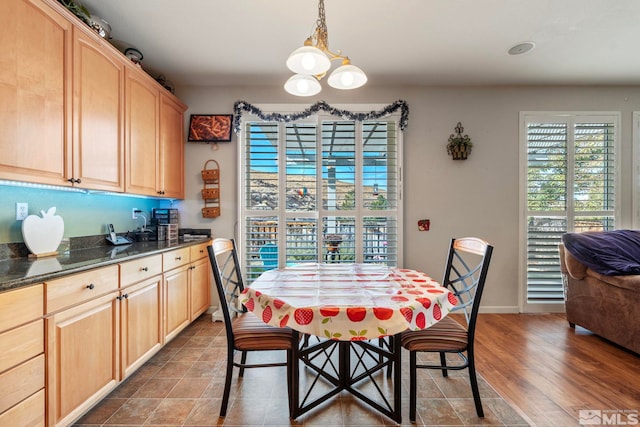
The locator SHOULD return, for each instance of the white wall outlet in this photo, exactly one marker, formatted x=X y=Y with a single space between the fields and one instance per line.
x=22 y=211
x=134 y=214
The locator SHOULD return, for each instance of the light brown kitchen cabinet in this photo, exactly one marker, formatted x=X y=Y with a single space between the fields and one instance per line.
x=171 y=172
x=142 y=134
x=98 y=105
x=140 y=312
x=176 y=291
x=154 y=138
x=66 y=343
x=83 y=342
x=199 y=281
x=22 y=360
x=35 y=106
x=187 y=287
x=64 y=113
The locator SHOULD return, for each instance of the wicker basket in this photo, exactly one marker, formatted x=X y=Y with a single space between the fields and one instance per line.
x=210 y=212
x=210 y=193
x=211 y=175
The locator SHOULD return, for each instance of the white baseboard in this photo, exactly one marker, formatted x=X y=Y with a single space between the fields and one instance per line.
x=500 y=309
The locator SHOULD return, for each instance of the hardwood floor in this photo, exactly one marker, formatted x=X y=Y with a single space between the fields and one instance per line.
x=545 y=370
x=551 y=372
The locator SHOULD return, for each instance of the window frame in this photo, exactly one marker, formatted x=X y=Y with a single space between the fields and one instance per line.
x=320 y=212
x=570 y=117
x=635 y=187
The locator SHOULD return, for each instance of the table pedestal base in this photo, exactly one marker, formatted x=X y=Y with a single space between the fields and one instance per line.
x=347 y=365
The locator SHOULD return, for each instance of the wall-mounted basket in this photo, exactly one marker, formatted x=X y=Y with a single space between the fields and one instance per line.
x=211 y=190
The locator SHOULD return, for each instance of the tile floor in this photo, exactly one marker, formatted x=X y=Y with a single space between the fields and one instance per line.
x=182 y=386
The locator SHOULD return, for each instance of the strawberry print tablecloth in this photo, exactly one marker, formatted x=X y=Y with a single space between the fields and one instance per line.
x=348 y=301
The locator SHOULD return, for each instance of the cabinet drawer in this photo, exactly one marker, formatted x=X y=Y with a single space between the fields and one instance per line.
x=199 y=251
x=71 y=290
x=21 y=344
x=140 y=269
x=173 y=259
x=21 y=382
x=29 y=412
x=21 y=306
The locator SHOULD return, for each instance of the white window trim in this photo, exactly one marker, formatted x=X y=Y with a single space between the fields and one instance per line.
x=294 y=108
x=635 y=187
x=546 y=116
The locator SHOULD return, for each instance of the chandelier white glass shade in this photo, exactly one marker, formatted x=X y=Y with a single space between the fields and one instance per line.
x=302 y=85
x=347 y=76
x=308 y=60
x=312 y=61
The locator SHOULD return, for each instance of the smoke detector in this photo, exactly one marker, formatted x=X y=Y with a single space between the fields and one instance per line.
x=521 y=48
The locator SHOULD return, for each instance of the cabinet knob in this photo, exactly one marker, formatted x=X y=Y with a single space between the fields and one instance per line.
x=178 y=258
x=72 y=180
x=91 y=286
x=201 y=251
x=125 y=296
x=144 y=269
x=160 y=192
x=78 y=181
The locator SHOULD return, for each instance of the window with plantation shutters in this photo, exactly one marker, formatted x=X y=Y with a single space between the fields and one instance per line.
x=571 y=184
x=322 y=189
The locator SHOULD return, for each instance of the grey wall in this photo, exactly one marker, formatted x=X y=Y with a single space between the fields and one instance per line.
x=477 y=197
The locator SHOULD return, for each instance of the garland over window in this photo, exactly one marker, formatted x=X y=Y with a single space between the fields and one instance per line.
x=242 y=106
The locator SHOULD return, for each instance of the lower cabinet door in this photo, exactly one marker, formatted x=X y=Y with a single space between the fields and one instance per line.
x=200 y=285
x=141 y=321
x=83 y=357
x=176 y=301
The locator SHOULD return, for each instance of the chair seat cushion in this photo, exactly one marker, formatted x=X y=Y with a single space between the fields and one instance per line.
x=446 y=335
x=251 y=333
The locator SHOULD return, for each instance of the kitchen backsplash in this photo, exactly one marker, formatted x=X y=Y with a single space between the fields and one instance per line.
x=83 y=214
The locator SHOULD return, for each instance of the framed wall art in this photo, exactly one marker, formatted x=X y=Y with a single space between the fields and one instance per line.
x=210 y=127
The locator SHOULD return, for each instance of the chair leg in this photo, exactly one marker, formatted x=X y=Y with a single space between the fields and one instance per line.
x=290 y=384
x=474 y=384
x=227 y=383
x=390 y=346
x=412 y=386
x=243 y=361
x=443 y=362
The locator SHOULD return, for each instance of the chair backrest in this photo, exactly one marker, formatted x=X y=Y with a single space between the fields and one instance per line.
x=465 y=274
x=228 y=277
x=269 y=256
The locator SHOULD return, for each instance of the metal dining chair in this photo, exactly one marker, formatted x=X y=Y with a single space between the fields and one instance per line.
x=245 y=332
x=465 y=275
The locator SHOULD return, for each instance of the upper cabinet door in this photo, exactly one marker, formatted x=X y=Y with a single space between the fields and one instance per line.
x=171 y=147
x=98 y=94
x=35 y=60
x=141 y=129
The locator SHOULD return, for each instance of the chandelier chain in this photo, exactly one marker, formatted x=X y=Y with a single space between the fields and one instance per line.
x=322 y=34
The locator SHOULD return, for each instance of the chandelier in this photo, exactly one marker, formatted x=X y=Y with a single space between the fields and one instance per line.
x=312 y=61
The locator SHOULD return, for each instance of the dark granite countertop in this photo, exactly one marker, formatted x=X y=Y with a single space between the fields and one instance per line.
x=19 y=272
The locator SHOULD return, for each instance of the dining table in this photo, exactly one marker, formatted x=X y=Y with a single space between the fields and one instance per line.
x=347 y=319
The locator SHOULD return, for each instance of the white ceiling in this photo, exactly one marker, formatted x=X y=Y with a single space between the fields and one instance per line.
x=426 y=42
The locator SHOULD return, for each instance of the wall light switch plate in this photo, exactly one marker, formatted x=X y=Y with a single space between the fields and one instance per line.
x=22 y=211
